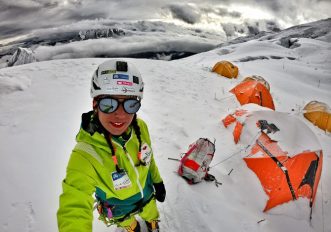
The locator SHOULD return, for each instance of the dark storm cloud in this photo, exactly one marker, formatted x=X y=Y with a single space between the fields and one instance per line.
x=10 y=31
x=22 y=17
x=16 y=19
x=221 y=11
x=184 y=12
x=251 y=27
x=273 y=5
x=26 y=5
x=293 y=11
x=19 y=17
x=225 y=12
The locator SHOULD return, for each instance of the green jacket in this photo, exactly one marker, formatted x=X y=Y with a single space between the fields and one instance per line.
x=90 y=171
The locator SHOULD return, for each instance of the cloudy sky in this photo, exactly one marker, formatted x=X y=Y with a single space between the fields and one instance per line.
x=21 y=17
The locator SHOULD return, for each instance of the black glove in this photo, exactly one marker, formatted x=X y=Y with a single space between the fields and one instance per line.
x=160 y=192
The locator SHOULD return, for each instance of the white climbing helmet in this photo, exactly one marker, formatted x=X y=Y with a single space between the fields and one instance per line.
x=117 y=77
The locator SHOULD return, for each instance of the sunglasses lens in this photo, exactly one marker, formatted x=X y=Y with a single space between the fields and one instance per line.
x=131 y=106
x=108 y=105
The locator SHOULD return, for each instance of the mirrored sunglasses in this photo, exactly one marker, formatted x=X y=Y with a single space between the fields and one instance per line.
x=109 y=105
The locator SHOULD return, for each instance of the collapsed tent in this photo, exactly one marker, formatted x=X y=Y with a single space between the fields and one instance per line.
x=259 y=79
x=319 y=114
x=285 y=154
x=252 y=91
x=226 y=69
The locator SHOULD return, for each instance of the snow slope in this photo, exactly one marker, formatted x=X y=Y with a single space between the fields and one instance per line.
x=41 y=104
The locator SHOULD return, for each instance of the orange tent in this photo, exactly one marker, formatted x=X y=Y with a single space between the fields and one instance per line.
x=319 y=114
x=299 y=175
x=252 y=91
x=259 y=79
x=226 y=68
x=285 y=154
x=231 y=118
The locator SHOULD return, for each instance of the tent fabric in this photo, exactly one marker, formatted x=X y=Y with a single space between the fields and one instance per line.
x=281 y=150
x=259 y=79
x=319 y=114
x=238 y=127
x=293 y=136
x=226 y=69
x=253 y=91
x=297 y=169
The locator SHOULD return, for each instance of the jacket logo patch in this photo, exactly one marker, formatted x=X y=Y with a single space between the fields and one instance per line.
x=146 y=154
x=121 y=180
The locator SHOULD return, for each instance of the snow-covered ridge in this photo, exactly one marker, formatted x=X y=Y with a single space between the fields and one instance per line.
x=57 y=37
x=149 y=39
x=320 y=30
x=146 y=39
x=100 y=33
x=21 y=56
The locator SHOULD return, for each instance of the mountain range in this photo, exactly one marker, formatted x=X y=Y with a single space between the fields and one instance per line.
x=145 y=39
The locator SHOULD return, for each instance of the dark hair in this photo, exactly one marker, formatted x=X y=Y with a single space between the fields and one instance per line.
x=136 y=129
x=107 y=135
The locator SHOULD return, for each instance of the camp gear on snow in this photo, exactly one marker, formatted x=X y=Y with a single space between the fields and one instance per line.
x=319 y=114
x=252 y=91
x=89 y=171
x=285 y=155
x=160 y=192
x=109 y=105
x=153 y=226
x=226 y=69
x=259 y=79
x=115 y=77
x=235 y=117
x=210 y=178
x=175 y=159
x=194 y=165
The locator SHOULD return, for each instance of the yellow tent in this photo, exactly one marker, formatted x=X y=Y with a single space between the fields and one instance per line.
x=226 y=68
x=259 y=79
x=319 y=114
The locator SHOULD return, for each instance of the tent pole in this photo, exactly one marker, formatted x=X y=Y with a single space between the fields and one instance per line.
x=280 y=165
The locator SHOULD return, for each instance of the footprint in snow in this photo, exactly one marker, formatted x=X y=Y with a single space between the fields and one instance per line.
x=21 y=217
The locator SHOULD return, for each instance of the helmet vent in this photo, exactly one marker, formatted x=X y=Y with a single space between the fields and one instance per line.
x=96 y=87
x=135 y=80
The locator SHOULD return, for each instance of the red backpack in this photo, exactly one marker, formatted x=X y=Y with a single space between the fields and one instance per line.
x=194 y=165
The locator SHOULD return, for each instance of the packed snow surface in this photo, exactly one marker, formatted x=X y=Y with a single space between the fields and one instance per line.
x=41 y=105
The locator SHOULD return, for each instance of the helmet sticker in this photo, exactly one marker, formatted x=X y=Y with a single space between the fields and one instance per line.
x=107 y=71
x=121 y=76
x=128 y=90
x=128 y=83
x=106 y=81
x=112 y=88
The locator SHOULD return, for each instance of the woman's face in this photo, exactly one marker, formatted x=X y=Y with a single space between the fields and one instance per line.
x=117 y=122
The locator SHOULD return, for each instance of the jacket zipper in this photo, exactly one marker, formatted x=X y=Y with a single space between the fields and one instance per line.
x=137 y=173
x=134 y=167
